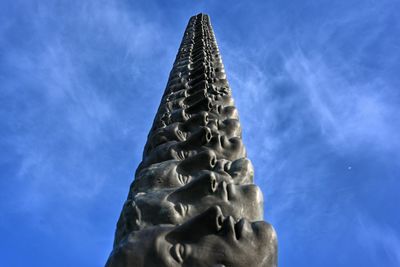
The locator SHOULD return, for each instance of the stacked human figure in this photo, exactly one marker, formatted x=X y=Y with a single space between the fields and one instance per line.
x=193 y=201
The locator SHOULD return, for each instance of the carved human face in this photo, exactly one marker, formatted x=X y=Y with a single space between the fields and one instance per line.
x=173 y=173
x=241 y=170
x=176 y=173
x=207 y=240
x=166 y=117
x=201 y=140
x=177 y=131
x=223 y=99
x=211 y=189
x=178 y=149
x=227 y=148
x=224 y=112
x=222 y=241
x=228 y=127
x=176 y=205
x=172 y=132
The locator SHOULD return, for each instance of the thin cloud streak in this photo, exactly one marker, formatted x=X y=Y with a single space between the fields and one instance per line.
x=349 y=114
x=66 y=118
x=381 y=240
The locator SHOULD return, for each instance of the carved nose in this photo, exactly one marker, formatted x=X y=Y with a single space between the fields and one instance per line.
x=213 y=184
x=202 y=105
x=219 y=220
x=213 y=218
x=213 y=161
x=208 y=135
x=220 y=165
x=207 y=223
x=200 y=119
x=205 y=160
x=179 y=115
x=206 y=118
x=198 y=188
x=199 y=138
x=197 y=96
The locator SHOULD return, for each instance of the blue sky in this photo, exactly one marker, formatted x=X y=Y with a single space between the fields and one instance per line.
x=317 y=87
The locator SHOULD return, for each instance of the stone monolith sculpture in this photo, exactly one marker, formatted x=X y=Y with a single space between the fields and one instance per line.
x=193 y=202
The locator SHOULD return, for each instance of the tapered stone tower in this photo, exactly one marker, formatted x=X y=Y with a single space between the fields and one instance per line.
x=193 y=202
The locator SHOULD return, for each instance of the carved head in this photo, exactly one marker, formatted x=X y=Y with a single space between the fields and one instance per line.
x=176 y=205
x=207 y=240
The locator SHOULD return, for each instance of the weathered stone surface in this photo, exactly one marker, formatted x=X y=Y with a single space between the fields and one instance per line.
x=193 y=201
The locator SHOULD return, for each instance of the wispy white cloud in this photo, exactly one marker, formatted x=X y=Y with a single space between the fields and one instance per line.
x=382 y=241
x=349 y=113
x=62 y=115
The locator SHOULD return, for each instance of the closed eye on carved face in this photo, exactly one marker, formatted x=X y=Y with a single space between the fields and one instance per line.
x=183 y=179
x=178 y=252
x=182 y=154
x=181 y=135
x=182 y=209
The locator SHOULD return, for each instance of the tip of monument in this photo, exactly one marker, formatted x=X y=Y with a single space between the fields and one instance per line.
x=201 y=15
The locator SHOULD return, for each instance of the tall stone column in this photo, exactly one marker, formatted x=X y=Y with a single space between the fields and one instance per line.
x=193 y=202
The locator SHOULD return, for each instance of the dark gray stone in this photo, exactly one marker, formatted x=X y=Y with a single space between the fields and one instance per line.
x=193 y=201
x=208 y=240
